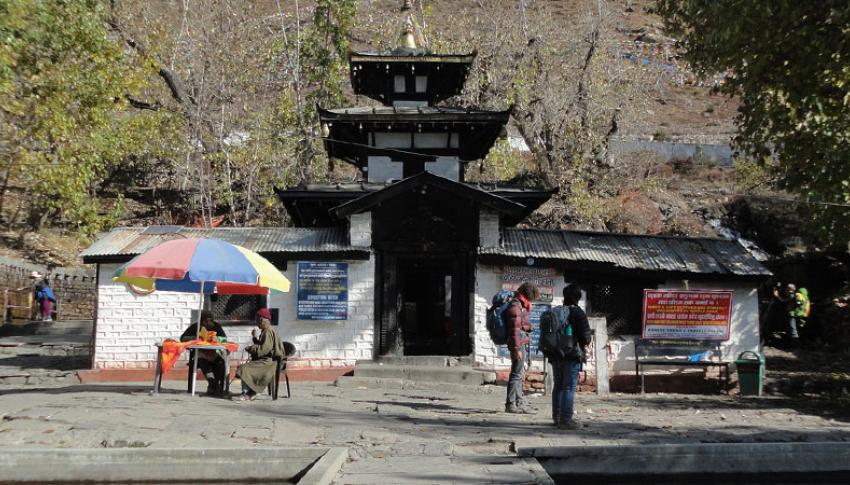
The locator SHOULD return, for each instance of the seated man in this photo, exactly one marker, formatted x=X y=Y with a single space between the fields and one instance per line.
x=210 y=362
x=259 y=371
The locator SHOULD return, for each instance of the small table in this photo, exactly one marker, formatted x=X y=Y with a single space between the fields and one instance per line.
x=193 y=366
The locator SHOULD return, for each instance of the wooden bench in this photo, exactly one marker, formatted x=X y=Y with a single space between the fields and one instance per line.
x=650 y=352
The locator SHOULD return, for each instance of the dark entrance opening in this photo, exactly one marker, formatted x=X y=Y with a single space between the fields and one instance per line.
x=425 y=306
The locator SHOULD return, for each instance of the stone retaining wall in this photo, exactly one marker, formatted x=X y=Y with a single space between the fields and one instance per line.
x=74 y=287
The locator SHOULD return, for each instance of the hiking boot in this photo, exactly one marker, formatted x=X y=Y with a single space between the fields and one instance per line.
x=518 y=409
x=571 y=425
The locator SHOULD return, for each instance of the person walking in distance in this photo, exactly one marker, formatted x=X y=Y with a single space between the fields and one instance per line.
x=44 y=297
x=519 y=330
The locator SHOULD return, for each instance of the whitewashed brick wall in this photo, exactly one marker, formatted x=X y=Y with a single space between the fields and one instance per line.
x=130 y=325
x=488 y=228
x=360 y=229
x=332 y=343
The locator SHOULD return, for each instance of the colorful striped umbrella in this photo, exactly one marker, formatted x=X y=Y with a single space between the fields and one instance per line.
x=202 y=266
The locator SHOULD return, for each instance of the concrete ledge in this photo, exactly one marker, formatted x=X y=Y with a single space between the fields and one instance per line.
x=305 y=374
x=314 y=466
x=709 y=459
x=326 y=468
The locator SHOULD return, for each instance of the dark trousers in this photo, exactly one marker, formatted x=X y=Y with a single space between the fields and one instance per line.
x=515 y=381
x=565 y=374
x=213 y=370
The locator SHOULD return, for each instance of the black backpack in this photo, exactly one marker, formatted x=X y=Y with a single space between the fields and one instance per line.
x=556 y=336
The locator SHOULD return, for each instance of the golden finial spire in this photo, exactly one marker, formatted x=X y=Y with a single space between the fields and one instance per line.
x=407 y=38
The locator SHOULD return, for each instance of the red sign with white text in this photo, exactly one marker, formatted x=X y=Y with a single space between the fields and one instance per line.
x=687 y=315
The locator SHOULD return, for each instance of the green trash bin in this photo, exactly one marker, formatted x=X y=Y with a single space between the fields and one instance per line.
x=750 y=373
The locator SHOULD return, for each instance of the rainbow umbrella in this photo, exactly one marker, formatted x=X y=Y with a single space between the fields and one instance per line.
x=202 y=266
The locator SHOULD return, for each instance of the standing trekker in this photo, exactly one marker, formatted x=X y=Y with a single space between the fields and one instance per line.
x=519 y=330
x=789 y=298
x=802 y=310
x=564 y=334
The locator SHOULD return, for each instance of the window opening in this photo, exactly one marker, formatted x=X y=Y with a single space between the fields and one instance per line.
x=399 y=83
x=620 y=303
x=236 y=309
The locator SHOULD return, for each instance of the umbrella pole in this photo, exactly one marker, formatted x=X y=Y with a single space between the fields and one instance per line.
x=193 y=365
x=200 y=310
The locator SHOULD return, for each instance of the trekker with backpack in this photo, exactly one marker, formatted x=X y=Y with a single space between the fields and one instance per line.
x=515 y=317
x=564 y=333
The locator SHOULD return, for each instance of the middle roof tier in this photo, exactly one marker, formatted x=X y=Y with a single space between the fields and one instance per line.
x=410 y=133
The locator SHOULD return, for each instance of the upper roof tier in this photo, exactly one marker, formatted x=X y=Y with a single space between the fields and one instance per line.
x=409 y=76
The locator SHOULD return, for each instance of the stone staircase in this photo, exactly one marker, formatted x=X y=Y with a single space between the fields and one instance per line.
x=44 y=353
x=60 y=327
x=431 y=373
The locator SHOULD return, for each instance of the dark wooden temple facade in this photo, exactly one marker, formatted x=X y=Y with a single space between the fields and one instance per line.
x=412 y=152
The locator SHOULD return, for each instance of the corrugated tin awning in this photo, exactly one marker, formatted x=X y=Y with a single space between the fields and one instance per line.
x=631 y=252
x=126 y=242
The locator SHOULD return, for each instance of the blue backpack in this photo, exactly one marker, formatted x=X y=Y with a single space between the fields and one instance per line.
x=495 y=323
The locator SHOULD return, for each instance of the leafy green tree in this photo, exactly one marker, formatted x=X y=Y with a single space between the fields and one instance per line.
x=789 y=61
x=63 y=83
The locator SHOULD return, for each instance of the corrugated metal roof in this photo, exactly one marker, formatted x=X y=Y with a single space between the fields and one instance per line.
x=649 y=253
x=129 y=241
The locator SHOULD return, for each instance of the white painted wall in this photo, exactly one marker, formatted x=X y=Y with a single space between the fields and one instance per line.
x=384 y=169
x=448 y=167
x=130 y=325
x=360 y=229
x=488 y=228
x=743 y=331
x=488 y=281
x=332 y=343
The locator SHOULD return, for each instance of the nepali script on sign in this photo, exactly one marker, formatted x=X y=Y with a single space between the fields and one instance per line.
x=687 y=315
x=322 y=291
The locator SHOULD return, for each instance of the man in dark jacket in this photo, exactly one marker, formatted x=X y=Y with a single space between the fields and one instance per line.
x=519 y=329
x=566 y=370
x=210 y=362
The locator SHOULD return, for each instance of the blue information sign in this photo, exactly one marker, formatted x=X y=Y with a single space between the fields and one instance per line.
x=322 y=291
x=537 y=310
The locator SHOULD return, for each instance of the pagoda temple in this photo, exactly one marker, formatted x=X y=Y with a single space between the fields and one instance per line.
x=423 y=218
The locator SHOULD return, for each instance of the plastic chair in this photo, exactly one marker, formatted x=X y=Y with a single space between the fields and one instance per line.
x=289 y=350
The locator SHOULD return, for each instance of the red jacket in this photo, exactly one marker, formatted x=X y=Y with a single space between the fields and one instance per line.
x=519 y=328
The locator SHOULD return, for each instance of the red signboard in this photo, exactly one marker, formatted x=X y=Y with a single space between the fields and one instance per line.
x=687 y=315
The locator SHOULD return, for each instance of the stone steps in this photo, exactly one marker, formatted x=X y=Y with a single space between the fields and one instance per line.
x=43 y=359
x=418 y=372
x=59 y=327
x=422 y=360
x=385 y=383
x=455 y=375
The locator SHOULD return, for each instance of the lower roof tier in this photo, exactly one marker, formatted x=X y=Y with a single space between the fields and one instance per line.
x=313 y=205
